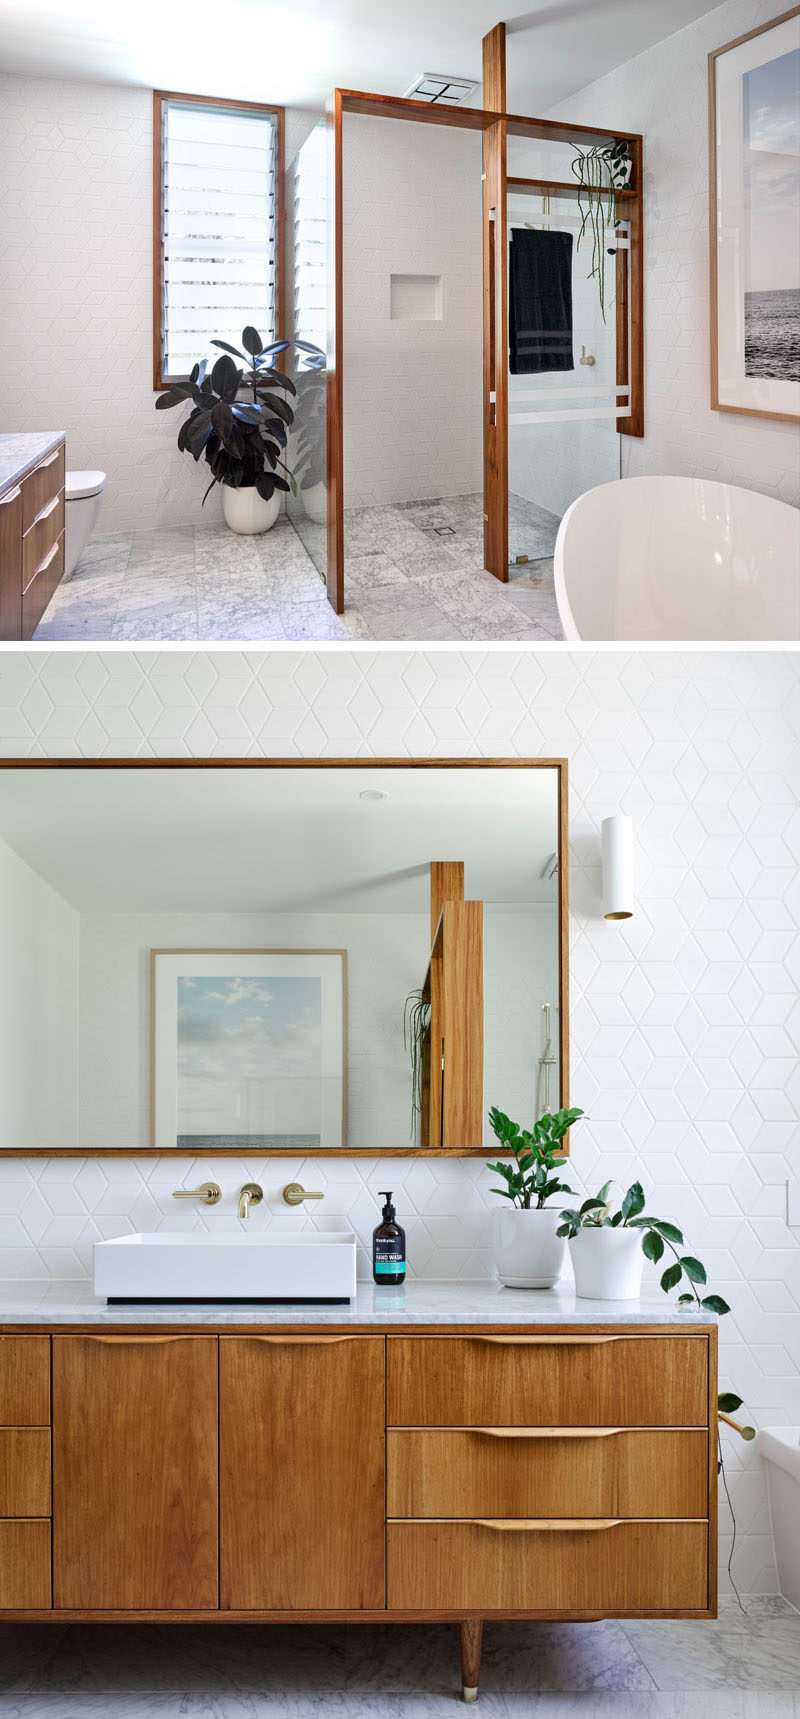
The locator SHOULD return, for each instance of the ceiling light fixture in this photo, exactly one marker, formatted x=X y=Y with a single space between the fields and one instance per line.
x=373 y=794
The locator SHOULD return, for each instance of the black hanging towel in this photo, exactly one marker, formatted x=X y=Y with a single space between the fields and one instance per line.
x=540 y=301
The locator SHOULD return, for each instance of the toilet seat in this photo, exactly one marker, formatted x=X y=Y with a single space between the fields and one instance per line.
x=79 y=485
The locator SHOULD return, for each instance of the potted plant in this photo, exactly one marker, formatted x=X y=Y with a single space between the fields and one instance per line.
x=608 y=1250
x=600 y=170
x=238 y=424
x=416 y=1021
x=528 y=1251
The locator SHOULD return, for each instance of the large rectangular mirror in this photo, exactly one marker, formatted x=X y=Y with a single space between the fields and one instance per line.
x=280 y=956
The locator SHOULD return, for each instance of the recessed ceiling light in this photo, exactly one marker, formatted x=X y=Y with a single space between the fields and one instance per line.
x=372 y=794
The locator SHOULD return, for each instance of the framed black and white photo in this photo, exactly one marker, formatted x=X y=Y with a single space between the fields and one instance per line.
x=248 y=1049
x=754 y=150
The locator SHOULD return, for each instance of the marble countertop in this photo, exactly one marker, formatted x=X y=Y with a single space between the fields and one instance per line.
x=424 y=1302
x=19 y=453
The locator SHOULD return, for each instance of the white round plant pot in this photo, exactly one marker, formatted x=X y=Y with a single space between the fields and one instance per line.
x=607 y=1264
x=315 y=503
x=247 y=512
x=527 y=1252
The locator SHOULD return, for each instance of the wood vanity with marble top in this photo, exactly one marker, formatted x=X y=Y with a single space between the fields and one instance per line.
x=450 y=1452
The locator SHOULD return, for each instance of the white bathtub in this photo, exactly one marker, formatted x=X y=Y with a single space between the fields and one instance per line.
x=678 y=558
x=780 y=1449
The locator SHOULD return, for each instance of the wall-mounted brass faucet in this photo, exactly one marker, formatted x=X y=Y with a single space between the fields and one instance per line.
x=208 y=1192
x=251 y=1195
x=294 y=1194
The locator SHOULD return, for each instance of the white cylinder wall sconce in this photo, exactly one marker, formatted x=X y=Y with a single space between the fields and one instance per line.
x=617 y=835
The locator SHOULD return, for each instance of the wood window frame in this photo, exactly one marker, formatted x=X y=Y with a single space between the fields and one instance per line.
x=559 y=765
x=160 y=383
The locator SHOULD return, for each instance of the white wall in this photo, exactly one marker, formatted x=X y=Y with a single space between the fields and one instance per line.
x=662 y=93
x=38 y=1021
x=76 y=353
x=413 y=411
x=386 y=958
x=684 y=1020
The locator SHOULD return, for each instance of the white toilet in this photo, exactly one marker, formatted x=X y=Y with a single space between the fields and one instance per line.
x=780 y=1448
x=83 y=493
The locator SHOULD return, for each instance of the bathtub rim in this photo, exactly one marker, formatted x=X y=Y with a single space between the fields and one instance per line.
x=781 y=1445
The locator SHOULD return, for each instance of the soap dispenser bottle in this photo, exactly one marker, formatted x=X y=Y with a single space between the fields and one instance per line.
x=388 y=1246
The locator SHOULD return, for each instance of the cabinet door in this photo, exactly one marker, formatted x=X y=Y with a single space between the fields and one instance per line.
x=302 y=1472
x=135 y=1472
x=11 y=564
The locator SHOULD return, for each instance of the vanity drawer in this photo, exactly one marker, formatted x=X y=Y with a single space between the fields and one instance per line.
x=42 y=587
x=493 y=1471
x=24 y=1471
x=25 y=1578
x=548 y=1381
x=39 y=487
x=24 y=1381
x=41 y=536
x=552 y=1566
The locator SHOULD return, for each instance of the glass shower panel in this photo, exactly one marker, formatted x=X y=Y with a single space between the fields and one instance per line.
x=306 y=321
x=563 y=435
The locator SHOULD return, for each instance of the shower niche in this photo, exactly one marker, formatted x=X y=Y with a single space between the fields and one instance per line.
x=442 y=448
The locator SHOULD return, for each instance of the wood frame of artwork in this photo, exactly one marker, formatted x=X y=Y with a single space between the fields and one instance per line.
x=559 y=765
x=718 y=405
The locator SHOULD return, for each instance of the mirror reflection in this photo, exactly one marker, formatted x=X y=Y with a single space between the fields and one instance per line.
x=277 y=959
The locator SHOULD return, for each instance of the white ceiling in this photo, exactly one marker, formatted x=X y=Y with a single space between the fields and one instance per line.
x=258 y=50
x=238 y=841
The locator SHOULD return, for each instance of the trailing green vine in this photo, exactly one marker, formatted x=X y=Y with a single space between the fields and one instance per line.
x=416 y=1020
x=597 y=169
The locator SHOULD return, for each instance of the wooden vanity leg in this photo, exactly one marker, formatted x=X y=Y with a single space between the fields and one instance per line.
x=471 y=1641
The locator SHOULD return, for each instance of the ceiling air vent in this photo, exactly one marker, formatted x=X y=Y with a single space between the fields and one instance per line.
x=445 y=91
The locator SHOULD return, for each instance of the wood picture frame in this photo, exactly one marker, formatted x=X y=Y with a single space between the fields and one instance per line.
x=558 y=765
x=736 y=325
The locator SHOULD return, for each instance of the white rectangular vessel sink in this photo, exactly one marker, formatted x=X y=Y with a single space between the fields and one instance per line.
x=187 y=1267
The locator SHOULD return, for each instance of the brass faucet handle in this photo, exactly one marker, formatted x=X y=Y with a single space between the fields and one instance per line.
x=208 y=1192
x=294 y=1194
x=250 y=1195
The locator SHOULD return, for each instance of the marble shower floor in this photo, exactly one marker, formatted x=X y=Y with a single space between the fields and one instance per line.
x=739 y=1667
x=413 y=571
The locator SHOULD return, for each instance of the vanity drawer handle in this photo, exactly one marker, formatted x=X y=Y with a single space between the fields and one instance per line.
x=48 y=509
x=349 y=1337
x=43 y=464
x=549 y=1432
x=11 y=495
x=537 y=1341
x=162 y=1337
x=576 y=1524
x=46 y=562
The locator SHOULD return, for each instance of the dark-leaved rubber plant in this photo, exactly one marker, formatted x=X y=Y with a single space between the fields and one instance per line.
x=657 y=1237
x=538 y=1153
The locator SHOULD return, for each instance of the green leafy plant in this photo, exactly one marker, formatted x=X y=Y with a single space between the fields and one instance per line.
x=596 y=169
x=657 y=1237
x=533 y=1177
x=416 y=1020
x=308 y=444
x=242 y=440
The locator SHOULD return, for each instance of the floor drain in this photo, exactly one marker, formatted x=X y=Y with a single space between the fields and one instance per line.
x=444 y=530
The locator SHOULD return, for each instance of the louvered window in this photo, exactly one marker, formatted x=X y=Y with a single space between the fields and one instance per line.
x=219 y=255
x=310 y=233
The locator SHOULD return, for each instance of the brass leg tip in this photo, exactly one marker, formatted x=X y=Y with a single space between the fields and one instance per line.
x=469 y=1692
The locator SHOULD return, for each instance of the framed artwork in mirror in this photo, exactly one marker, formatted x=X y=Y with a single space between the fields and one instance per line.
x=754 y=184
x=248 y=1050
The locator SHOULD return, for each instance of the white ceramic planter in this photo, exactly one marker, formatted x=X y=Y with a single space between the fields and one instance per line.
x=247 y=512
x=527 y=1252
x=315 y=503
x=607 y=1264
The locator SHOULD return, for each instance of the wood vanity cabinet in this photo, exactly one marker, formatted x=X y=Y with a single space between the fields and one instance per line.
x=358 y=1473
x=32 y=523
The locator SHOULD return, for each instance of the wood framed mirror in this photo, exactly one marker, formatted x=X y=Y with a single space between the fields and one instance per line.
x=280 y=956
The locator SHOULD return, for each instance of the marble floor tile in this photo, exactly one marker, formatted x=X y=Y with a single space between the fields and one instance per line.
x=552 y=1656
x=728 y=1704
x=349 y=1706
x=403 y=1659
x=414 y=571
x=23 y=1650
x=203 y=1659
x=754 y=1654
x=60 y=1706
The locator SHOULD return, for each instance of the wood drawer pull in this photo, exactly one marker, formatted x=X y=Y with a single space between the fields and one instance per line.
x=53 y=550
x=10 y=495
x=536 y=1341
x=51 y=459
x=51 y=505
x=576 y=1525
x=136 y=1337
x=549 y=1432
x=346 y=1337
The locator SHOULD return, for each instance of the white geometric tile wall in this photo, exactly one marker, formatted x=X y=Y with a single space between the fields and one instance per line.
x=685 y=1021
x=76 y=353
x=413 y=408
x=663 y=94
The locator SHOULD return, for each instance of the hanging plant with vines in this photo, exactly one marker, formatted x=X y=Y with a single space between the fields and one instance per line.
x=416 y=1020
x=600 y=171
